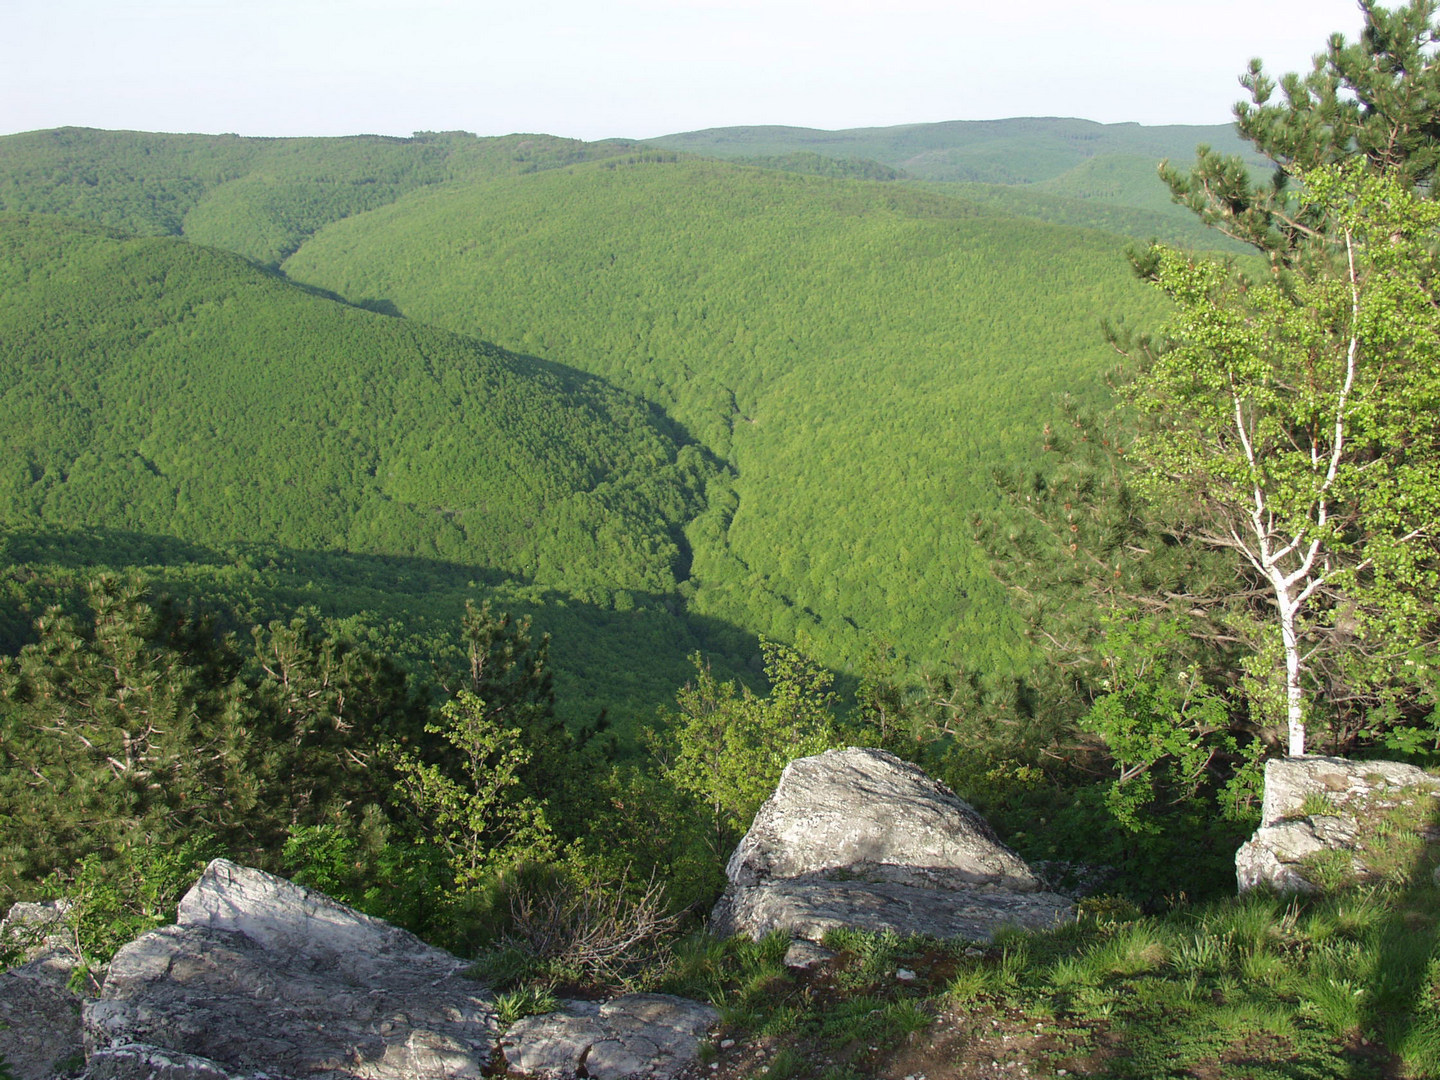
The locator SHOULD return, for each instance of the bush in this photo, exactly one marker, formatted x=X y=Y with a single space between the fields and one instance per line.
x=575 y=926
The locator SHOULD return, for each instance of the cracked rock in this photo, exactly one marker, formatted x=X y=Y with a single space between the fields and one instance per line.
x=638 y=1035
x=261 y=976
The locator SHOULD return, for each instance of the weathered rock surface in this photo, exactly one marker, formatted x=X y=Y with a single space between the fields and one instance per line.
x=803 y=955
x=863 y=810
x=39 y=1027
x=807 y=907
x=860 y=838
x=40 y=933
x=1276 y=855
x=39 y=1016
x=264 y=976
x=638 y=1035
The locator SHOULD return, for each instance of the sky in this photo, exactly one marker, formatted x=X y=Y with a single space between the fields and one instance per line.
x=593 y=69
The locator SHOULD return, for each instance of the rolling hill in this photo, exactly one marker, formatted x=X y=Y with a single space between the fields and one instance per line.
x=828 y=359
x=1049 y=168
x=259 y=197
x=861 y=354
x=156 y=392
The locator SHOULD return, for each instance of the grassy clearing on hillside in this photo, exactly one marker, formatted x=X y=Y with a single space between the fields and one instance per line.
x=1344 y=984
x=1257 y=988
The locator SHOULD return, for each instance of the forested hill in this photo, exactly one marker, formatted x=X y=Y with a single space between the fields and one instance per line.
x=1064 y=171
x=858 y=355
x=1016 y=151
x=160 y=387
x=863 y=354
x=260 y=197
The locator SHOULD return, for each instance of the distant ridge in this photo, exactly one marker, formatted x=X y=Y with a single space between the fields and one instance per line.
x=1019 y=150
x=261 y=197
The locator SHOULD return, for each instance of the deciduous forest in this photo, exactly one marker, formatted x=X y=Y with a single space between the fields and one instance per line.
x=450 y=522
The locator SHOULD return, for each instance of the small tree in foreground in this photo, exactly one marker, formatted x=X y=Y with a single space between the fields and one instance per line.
x=1293 y=422
x=726 y=746
x=483 y=819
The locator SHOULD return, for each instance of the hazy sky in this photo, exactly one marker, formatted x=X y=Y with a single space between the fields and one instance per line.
x=636 y=68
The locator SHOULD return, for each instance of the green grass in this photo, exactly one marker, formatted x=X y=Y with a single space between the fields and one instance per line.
x=525 y=1001
x=1254 y=988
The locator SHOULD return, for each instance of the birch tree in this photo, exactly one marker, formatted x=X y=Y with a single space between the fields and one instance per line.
x=1292 y=421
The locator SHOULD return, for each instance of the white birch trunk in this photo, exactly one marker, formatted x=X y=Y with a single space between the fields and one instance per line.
x=1294 y=698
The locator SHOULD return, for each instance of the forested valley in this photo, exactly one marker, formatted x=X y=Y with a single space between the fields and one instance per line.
x=450 y=522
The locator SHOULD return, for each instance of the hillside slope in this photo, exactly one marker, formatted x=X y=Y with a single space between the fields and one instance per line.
x=862 y=354
x=1049 y=168
x=161 y=387
x=1021 y=150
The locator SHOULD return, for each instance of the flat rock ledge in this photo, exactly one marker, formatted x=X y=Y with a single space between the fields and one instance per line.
x=261 y=977
x=1276 y=855
x=652 y=1036
x=860 y=838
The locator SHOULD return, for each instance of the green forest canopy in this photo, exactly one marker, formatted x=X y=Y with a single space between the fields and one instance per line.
x=154 y=388
x=862 y=354
x=851 y=357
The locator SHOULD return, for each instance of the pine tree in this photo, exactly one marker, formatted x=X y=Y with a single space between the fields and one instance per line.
x=130 y=729
x=1375 y=100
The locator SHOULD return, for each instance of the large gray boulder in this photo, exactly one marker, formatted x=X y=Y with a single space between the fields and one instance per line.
x=1312 y=806
x=650 y=1036
x=860 y=838
x=261 y=976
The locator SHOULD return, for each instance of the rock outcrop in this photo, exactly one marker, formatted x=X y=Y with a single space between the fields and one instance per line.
x=1313 y=805
x=40 y=1033
x=652 y=1036
x=860 y=838
x=261 y=976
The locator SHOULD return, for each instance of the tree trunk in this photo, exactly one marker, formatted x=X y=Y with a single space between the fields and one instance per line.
x=1294 y=699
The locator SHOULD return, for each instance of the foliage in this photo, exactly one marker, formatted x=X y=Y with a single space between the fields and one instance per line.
x=140 y=727
x=208 y=401
x=111 y=901
x=710 y=310
x=1270 y=425
x=619 y=664
x=324 y=705
x=1014 y=151
x=1163 y=726
x=1370 y=101
x=859 y=353
x=726 y=746
x=259 y=197
x=1291 y=428
x=579 y=927
x=527 y=1001
x=478 y=819
x=1252 y=987
x=804 y=161
x=117 y=733
x=375 y=867
x=213 y=414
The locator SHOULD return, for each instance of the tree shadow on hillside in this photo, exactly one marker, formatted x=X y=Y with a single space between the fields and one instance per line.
x=621 y=650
